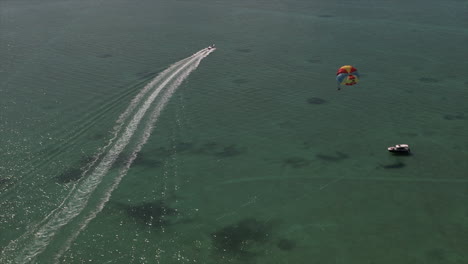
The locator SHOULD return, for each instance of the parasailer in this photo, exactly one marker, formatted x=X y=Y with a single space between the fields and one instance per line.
x=347 y=75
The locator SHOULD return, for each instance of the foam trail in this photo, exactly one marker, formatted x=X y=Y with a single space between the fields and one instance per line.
x=146 y=134
x=127 y=112
x=150 y=85
x=77 y=201
x=80 y=198
x=119 y=122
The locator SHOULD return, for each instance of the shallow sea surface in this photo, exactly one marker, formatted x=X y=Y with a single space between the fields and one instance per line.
x=248 y=153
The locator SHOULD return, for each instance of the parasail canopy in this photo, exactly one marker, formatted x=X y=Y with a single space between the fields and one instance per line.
x=347 y=75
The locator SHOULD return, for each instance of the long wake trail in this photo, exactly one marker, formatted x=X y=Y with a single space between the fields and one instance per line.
x=37 y=240
x=136 y=100
x=146 y=134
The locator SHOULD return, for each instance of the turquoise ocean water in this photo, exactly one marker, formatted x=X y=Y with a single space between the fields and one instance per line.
x=123 y=140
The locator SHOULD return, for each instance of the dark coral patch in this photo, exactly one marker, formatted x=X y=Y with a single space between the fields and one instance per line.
x=70 y=175
x=5 y=183
x=183 y=146
x=207 y=148
x=316 y=101
x=296 y=162
x=123 y=158
x=334 y=158
x=286 y=244
x=437 y=254
x=457 y=116
x=154 y=214
x=143 y=160
x=241 y=238
x=306 y=145
x=240 y=81
x=178 y=147
x=229 y=151
x=75 y=172
x=97 y=136
x=86 y=159
x=104 y=55
x=161 y=152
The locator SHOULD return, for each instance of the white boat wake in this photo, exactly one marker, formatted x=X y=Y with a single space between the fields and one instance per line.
x=26 y=248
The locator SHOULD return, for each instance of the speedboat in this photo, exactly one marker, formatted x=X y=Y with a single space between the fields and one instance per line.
x=400 y=149
x=212 y=46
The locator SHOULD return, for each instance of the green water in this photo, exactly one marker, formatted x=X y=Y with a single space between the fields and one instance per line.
x=256 y=157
